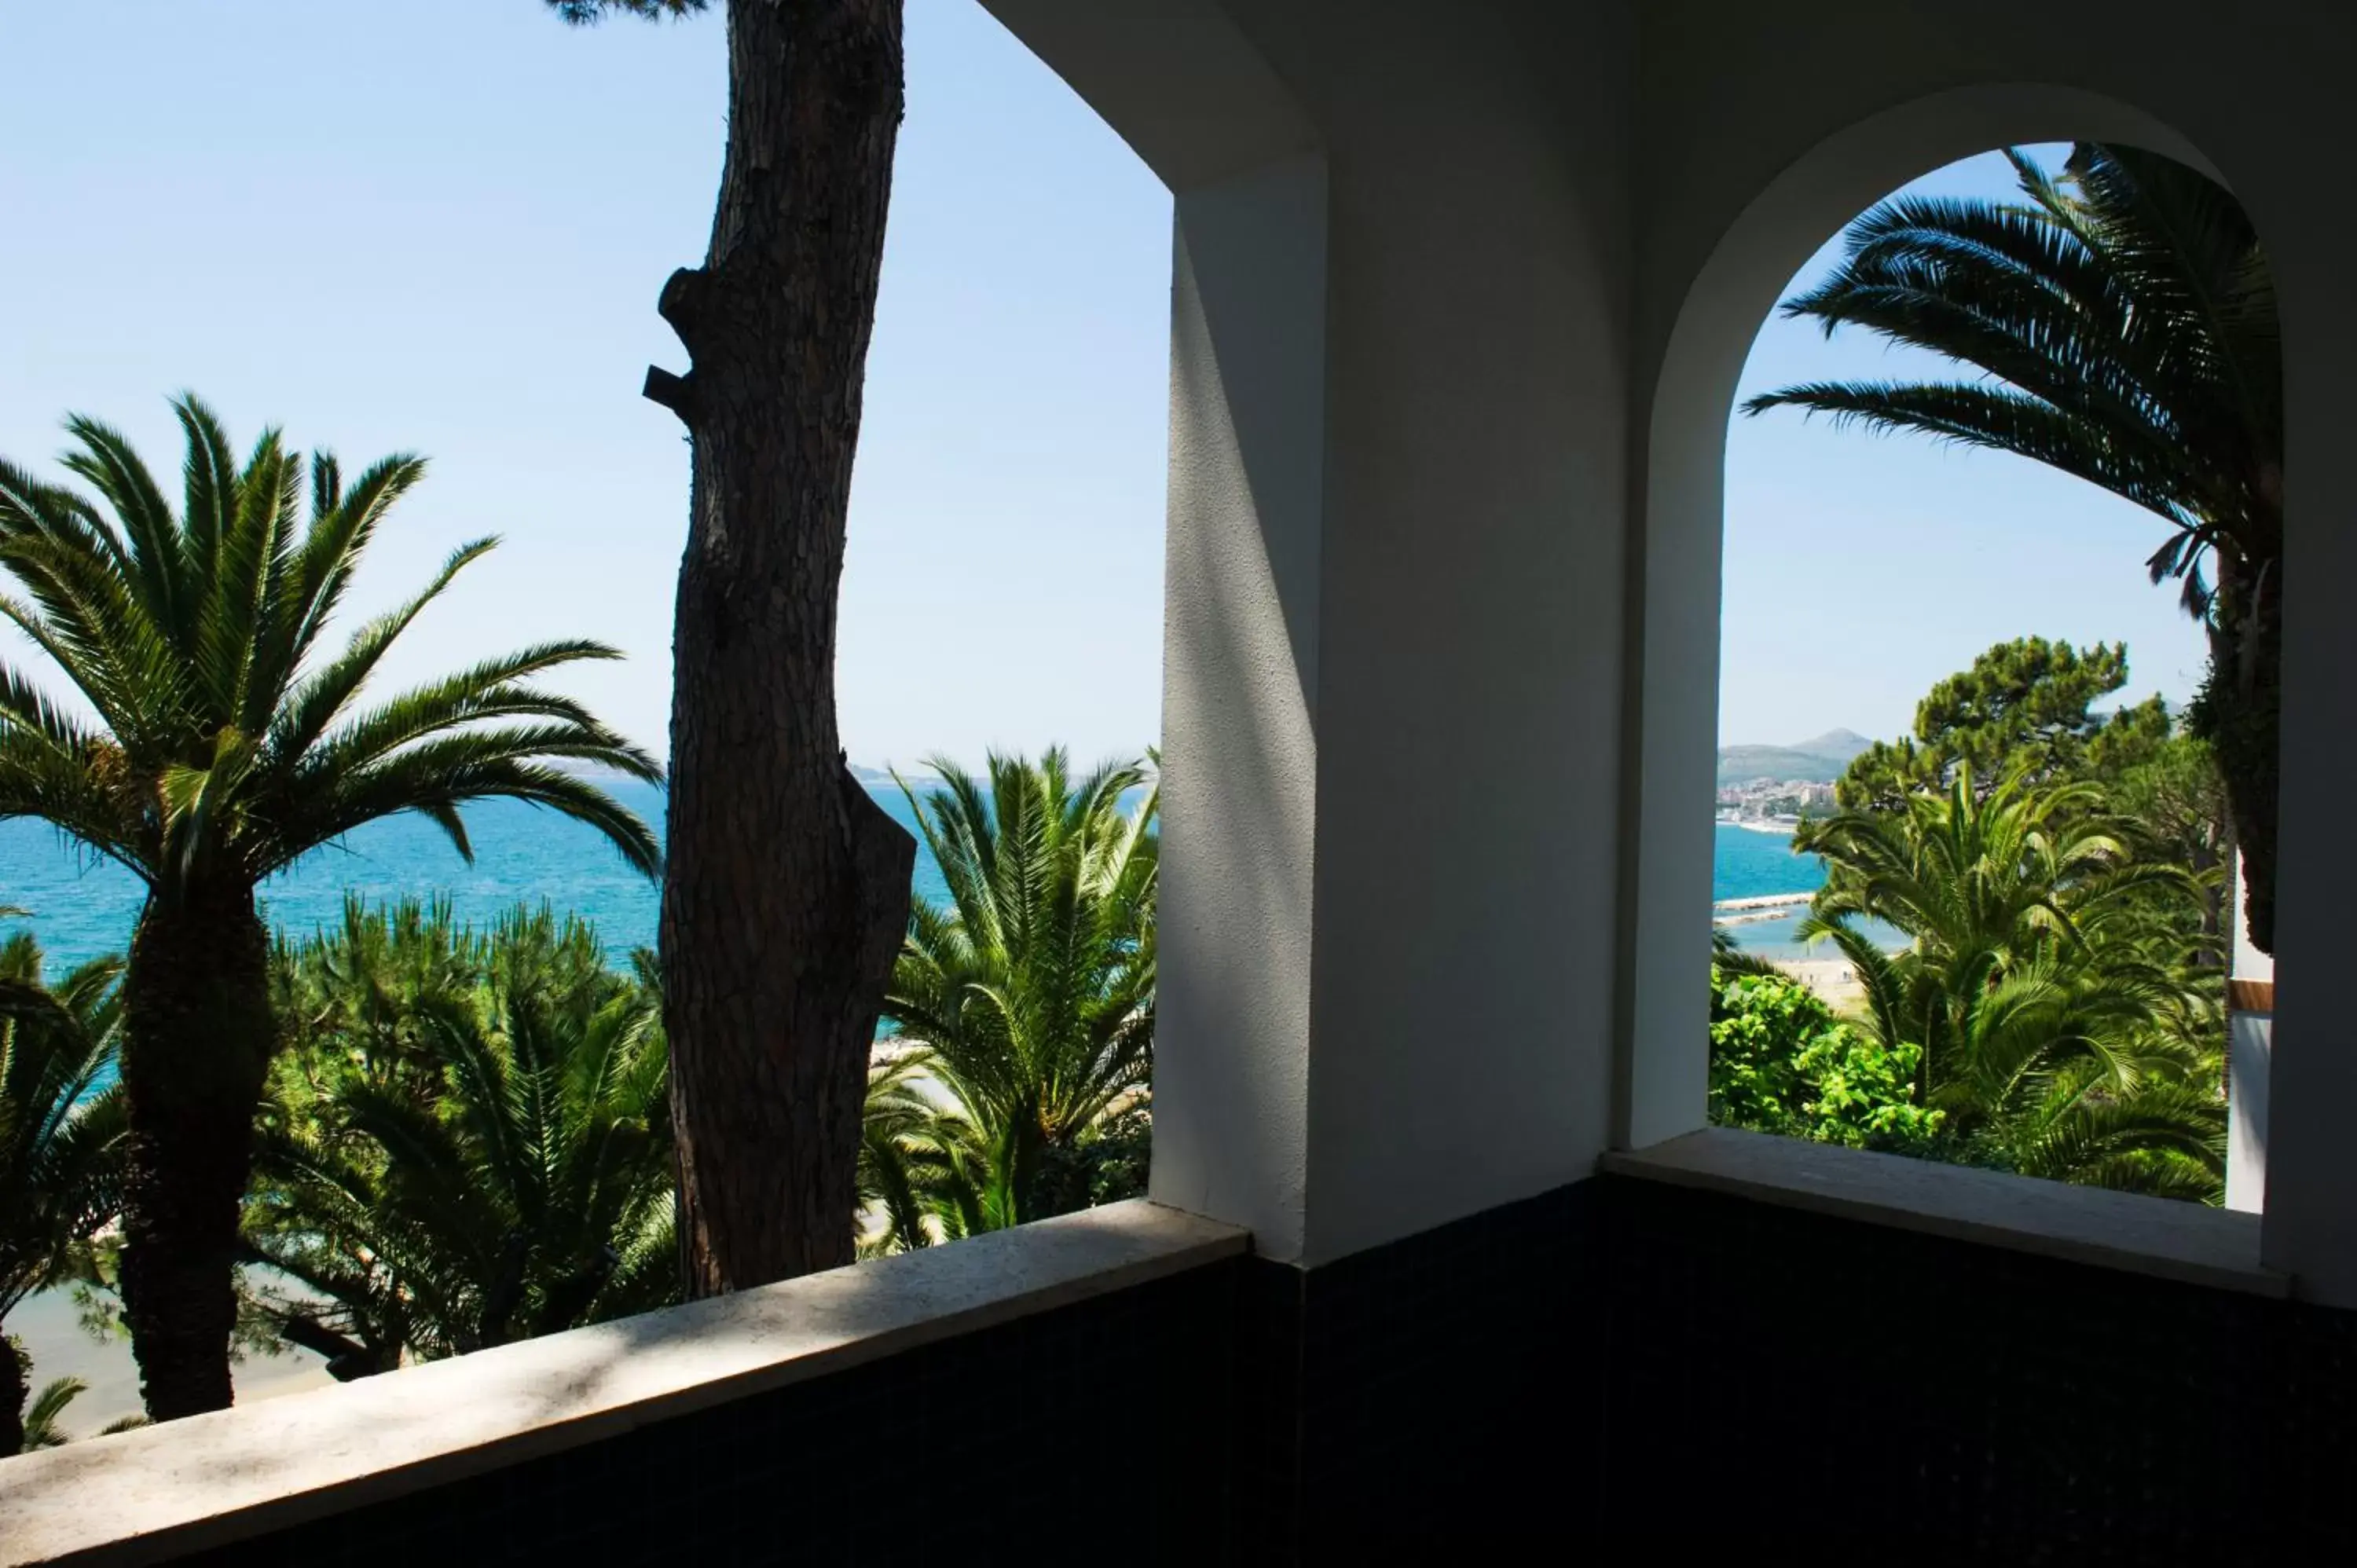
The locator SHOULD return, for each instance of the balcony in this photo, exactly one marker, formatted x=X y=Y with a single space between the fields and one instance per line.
x=1924 y=1347
x=1441 y=1260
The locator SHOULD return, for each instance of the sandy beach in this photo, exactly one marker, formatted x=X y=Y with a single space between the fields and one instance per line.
x=60 y=1349
x=1834 y=980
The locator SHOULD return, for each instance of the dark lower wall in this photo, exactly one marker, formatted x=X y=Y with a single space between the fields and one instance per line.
x=1617 y=1367
x=1412 y=1402
x=1436 y=1400
x=1818 y=1385
x=1626 y=1368
x=1092 y=1433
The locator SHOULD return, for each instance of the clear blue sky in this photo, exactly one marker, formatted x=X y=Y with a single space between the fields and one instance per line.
x=440 y=225
x=1861 y=569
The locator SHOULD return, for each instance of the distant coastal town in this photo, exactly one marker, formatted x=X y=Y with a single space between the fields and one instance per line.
x=1767 y=790
x=1773 y=805
x=1770 y=788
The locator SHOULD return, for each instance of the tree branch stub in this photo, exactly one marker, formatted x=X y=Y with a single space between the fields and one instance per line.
x=676 y=393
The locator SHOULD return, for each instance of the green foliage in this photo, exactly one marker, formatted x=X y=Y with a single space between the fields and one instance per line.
x=365 y=997
x=33 y=1419
x=2122 y=322
x=1994 y=874
x=61 y=1125
x=2125 y=323
x=1782 y=1063
x=582 y=13
x=44 y=1415
x=1017 y=1086
x=1727 y=957
x=466 y=1141
x=2023 y=710
x=231 y=745
x=2172 y=793
x=232 y=740
x=2066 y=1024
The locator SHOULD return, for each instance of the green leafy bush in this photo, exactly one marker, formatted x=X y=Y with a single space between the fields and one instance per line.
x=1781 y=1062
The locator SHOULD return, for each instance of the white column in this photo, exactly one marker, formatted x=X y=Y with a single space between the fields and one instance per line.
x=1471 y=623
x=1394 y=628
x=1199 y=101
x=1239 y=674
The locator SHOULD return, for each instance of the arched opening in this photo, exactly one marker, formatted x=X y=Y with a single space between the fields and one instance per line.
x=1667 y=1084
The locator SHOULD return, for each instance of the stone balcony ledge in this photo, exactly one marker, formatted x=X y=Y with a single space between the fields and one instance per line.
x=149 y=1495
x=2185 y=1241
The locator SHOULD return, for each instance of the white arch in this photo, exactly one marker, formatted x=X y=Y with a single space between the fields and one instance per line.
x=1679 y=493
x=1173 y=78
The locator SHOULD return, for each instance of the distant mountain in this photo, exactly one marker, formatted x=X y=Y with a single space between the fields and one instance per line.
x=1816 y=762
x=873 y=778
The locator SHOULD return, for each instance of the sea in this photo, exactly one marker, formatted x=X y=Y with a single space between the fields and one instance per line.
x=81 y=907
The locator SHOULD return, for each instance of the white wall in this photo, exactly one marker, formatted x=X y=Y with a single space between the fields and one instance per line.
x=1239 y=682
x=1393 y=619
x=1468 y=708
x=1439 y=891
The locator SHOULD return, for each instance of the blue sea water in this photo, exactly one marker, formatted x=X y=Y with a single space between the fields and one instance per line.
x=522 y=853
x=80 y=908
x=1752 y=863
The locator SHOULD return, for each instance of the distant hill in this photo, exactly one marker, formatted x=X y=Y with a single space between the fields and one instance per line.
x=1817 y=761
x=916 y=773
x=873 y=778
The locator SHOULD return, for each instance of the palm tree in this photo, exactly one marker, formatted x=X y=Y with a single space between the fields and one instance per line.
x=45 y=1416
x=40 y=1428
x=496 y=1166
x=226 y=748
x=43 y=1425
x=1976 y=875
x=2124 y=320
x=922 y=1164
x=61 y=1132
x=365 y=992
x=2050 y=1072
x=1730 y=957
x=2049 y=989
x=1030 y=996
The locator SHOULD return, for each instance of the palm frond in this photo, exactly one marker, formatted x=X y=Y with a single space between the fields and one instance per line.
x=2125 y=321
x=2055 y=1005
x=44 y=1415
x=222 y=753
x=61 y=1126
x=471 y=1140
x=1030 y=993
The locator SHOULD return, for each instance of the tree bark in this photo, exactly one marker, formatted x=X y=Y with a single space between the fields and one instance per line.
x=786 y=891
x=198 y=1038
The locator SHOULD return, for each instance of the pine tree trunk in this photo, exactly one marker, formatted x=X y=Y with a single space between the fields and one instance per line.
x=198 y=1037
x=786 y=892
